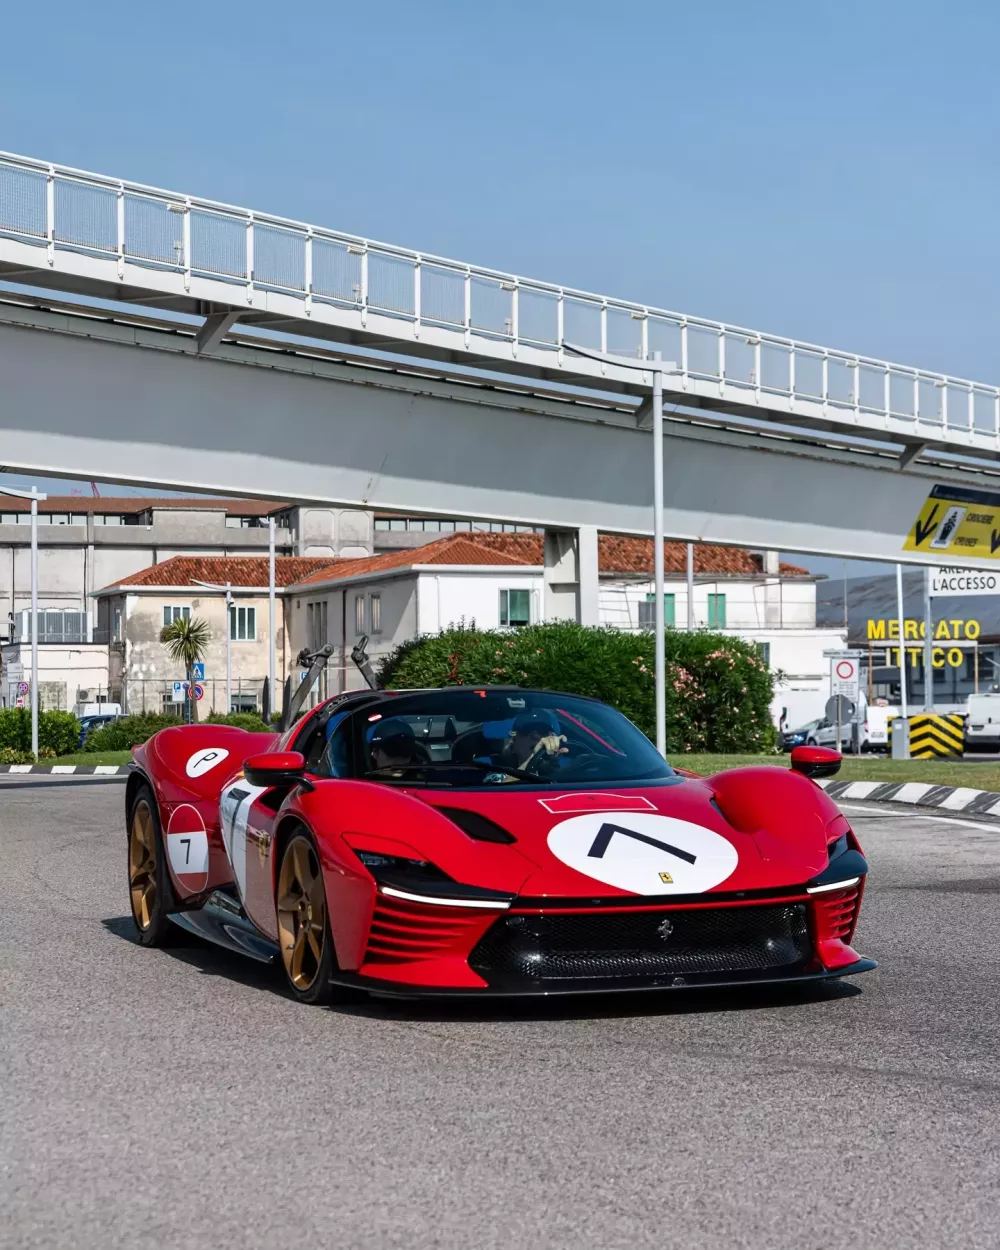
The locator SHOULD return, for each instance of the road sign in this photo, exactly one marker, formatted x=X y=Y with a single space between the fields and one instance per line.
x=839 y=711
x=962 y=582
x=178 y=693
x=199 y=691
x=19 y=701
x=22 y=687
x=845 y=678
x=198 y=670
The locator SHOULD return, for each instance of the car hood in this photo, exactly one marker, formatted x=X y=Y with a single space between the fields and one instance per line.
x=686 y=837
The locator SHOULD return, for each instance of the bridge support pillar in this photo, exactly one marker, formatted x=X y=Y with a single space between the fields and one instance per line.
x=571 y=575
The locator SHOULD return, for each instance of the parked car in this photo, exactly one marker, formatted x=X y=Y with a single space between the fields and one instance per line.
x=790 y=738
x=982 y=723
x=88 y=723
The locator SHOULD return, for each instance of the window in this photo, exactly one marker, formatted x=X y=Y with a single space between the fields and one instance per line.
x=359 y=614
x=375 y=612
x=716 y=611
x=381 y=523
x=764 y=648
x=172 y=613
x=515 y=607
x=646 y=612
x=243 y=624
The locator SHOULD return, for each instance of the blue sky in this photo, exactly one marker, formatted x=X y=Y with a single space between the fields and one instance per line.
x=826 y=171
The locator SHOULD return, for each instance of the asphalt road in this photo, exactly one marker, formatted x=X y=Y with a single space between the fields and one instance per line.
x=177 y=1098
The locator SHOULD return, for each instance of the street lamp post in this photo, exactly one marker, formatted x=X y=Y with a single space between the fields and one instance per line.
x=36 y=499
x=657 y=367
x=270 y=610
x=228 y=588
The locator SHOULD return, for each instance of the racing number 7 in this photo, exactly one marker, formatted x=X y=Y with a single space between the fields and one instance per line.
x=186 y=843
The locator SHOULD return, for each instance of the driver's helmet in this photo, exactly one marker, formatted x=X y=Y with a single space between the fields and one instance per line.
x=534 y=722
x=394 y=736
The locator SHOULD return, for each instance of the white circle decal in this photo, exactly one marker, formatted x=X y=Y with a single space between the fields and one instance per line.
x=643 y=853
x=205 y=760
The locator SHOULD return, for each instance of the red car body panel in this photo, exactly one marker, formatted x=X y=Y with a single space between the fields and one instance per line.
x=779 y=824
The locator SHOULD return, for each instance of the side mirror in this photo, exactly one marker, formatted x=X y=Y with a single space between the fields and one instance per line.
x=816 y=761
x=275 y=768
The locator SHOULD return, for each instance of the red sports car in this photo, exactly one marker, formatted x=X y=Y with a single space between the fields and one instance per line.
x=488 y=841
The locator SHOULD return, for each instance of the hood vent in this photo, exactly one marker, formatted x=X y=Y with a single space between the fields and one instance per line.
x=476 y=826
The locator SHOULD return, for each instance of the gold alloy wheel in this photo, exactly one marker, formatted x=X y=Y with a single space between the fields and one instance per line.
x=301 y=912
x=142 y=865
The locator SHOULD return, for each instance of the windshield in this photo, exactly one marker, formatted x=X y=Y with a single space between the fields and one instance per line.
x=467 y=737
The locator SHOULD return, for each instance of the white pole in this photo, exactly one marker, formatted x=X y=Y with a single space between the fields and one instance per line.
x=229 y=648
x=271 y=665
x=928 y=644
x=658 y=623
x=902 y=642
x=690 y=584
x=34 y=622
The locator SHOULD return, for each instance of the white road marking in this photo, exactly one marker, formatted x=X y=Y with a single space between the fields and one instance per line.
x=924 y=814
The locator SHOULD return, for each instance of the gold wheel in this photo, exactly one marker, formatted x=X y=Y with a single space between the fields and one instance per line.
x=301 y=907
x=142 y=865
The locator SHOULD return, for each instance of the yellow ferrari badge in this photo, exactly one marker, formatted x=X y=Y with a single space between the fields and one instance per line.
x=666 y=878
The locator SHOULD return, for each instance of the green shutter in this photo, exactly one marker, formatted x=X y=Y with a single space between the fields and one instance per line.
x=717 y=611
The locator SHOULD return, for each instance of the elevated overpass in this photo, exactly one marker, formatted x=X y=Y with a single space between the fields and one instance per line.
x=153 y=337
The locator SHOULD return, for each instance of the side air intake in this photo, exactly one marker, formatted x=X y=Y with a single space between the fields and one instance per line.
x=479 y=827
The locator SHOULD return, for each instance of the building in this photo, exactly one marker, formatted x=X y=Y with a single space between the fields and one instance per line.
x=495 y=580
x=85 y=543
x=132 y=612
x=965 y=653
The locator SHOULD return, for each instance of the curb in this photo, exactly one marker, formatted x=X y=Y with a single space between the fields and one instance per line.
x=918 y=793
x=78 y=770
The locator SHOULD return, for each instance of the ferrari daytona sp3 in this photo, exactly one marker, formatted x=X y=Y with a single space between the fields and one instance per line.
x=488 y=841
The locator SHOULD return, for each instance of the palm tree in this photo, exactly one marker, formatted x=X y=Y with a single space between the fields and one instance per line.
x=186 y=639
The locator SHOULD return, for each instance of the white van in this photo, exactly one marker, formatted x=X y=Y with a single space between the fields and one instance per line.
x=982 y=722
x=101 y=708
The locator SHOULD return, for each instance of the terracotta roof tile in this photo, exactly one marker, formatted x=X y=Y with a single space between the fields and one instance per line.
x=239 y=570
x=615 y=556
x=454 y=549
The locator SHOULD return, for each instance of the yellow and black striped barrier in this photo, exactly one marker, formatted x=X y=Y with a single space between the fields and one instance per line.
x=935 y=737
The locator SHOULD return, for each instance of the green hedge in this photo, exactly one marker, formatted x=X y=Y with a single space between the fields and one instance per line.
x=718 y=688
x=127 y=732
x=131 y=731
x=249 y=721
x=58 y=732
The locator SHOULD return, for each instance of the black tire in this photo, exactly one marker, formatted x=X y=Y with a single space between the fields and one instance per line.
x=151 y=897
x=304 y=935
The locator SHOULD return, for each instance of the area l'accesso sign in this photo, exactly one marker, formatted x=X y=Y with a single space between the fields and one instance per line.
x=960 y=582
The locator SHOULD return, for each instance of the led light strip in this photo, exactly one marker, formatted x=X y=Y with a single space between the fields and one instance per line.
x=834 y=885
x=492 y=904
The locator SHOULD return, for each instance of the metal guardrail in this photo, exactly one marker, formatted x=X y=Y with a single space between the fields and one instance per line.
x=128 y=224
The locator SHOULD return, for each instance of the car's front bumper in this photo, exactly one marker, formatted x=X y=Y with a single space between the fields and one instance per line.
x=608 y=985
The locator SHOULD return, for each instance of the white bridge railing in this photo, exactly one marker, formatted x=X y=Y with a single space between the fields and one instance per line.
x=127 y=224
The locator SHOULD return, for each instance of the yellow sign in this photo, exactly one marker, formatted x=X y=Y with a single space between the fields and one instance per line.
x=952 y=630
x=957 y=521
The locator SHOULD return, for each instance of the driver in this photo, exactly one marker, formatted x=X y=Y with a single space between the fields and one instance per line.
x=392 y=745
x=533 y=737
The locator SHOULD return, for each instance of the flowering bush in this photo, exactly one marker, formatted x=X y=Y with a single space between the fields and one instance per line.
x=718 y=688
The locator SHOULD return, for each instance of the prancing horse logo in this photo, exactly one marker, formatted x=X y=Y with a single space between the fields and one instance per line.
x=665 y=928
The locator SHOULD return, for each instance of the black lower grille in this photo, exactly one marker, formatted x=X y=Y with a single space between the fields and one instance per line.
x=641 y=944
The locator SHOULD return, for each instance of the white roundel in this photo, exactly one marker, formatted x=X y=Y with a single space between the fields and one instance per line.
x=643 y=853
x=205 y=760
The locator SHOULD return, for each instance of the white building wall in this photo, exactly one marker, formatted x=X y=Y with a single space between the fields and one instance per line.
x=447 y=598
x=750 y=604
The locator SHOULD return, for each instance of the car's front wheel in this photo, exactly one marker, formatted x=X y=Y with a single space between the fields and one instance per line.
x=303 y=922
x=149 y=891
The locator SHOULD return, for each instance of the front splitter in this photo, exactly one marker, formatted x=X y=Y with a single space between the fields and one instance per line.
x=553 y=989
